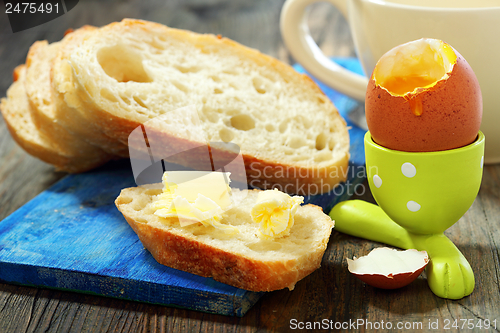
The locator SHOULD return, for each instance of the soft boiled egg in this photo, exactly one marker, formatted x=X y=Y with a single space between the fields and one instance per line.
x=423 y=96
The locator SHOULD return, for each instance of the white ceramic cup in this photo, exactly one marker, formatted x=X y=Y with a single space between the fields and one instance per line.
x=472 y=27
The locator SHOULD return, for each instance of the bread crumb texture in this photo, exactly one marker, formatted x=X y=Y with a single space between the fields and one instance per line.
x=139 y=70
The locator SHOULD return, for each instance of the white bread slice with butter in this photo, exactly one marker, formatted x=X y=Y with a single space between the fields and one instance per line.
x=69 y=107
x=290 y=135
x=16 y=112
x=41 y=98
x=243 y=259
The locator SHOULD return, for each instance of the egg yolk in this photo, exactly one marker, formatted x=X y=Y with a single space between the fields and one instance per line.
x=412 y=67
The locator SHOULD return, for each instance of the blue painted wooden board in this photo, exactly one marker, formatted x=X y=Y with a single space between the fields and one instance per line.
x=72 y=237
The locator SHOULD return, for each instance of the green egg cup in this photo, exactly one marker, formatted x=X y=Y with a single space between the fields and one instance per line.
x=419 y=196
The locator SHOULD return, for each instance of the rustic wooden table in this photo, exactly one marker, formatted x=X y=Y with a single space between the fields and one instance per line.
x=330 y=295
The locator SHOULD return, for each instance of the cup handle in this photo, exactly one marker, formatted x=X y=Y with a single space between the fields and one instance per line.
x=295 y=33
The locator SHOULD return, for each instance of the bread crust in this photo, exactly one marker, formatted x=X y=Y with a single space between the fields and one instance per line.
x=17 y=116
x=80 y=112
x=68 y=104
x=41 y=100
x=189 y=255
x=178 y=250
x=261 y=171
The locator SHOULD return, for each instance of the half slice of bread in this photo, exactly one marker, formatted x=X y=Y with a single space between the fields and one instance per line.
x=69 y=107
x=289 y=132
x=18 y=117
x=242 y=259
x=41 y=98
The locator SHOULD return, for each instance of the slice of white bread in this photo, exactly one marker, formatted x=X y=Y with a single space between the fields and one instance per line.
x=18 y=117
x=243 y=259
x=69 y=108
x=288 y=131
x=40 y=96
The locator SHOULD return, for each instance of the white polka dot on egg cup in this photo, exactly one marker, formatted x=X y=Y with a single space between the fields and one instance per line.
x=427 y=192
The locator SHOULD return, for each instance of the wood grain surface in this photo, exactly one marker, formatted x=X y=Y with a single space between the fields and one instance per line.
x=330 y=295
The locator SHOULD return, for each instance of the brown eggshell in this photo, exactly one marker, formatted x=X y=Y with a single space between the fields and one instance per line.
x=394 y=280
x=389 y=281
x=451 y=113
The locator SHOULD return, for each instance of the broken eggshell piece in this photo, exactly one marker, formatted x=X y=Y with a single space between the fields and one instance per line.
x=389 y=268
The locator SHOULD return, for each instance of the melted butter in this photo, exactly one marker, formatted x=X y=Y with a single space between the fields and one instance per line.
x=195 y=197
x=274 y=212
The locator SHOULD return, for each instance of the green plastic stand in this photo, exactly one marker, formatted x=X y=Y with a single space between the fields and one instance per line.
x=419 y=196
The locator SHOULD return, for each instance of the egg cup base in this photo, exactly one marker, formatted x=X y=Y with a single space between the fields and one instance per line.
x=419 y=196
